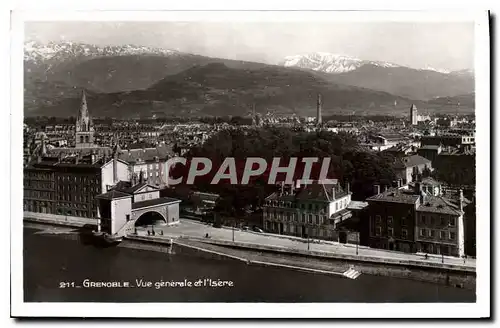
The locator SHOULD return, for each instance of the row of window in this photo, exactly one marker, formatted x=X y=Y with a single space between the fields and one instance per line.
x=390 y=232
x=86 y=139
x=424 y=220
x=68 y=189
x=40 y=207
x=38 y=184
x=78 y=178
x=38 y=175
x=435 y=249
x=431 y=233
x=390 y=220
x=431 y=220
x=299 y=230
x=310 y=207
x=293 y=217
x=39 y=194
x=426 y=233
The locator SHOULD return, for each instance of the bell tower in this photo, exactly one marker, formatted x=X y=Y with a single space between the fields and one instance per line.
x=84 y=129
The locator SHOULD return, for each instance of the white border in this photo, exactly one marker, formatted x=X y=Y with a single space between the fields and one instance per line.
x=234 y=310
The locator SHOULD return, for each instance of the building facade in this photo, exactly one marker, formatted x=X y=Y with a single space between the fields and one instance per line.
x=311 y=210
x=415 y=220
x=68 y=186
x=409 y=168
x=128 y=205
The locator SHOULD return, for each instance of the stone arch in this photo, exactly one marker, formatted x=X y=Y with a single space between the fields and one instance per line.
x=149 y=217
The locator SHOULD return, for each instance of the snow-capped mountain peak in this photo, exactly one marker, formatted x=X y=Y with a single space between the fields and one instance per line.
x=330 y=63
x=37 y=51
x=439 y=70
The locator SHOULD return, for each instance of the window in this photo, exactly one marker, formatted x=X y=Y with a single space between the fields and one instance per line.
x=404 y=233
x=452 y=235
x=442 y=234
x=452 y=222
x=336 y=206
x=441 y=219
x=390 y=232
x=389 y=220
x=378 y=231
x=422 y=232
x=431 y=233
x=377 y=218
x=423 y=219
x=403 y=221
x=310 y=218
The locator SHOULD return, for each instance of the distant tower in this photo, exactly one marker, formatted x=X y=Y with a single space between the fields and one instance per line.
x=84 y=132
x=319 y=104
x=254 y=116
x=116 y=153
x=413 y=115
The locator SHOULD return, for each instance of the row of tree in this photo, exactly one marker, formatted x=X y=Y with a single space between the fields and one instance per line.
x=349 y=162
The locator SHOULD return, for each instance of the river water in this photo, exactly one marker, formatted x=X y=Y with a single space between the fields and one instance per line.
x=55 y=260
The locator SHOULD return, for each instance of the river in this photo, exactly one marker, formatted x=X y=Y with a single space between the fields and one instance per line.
x=54 y=259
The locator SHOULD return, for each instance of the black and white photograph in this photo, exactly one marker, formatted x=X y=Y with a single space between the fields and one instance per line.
x=310 y=163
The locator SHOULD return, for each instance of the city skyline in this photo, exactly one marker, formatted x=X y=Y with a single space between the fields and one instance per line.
x=447 y=45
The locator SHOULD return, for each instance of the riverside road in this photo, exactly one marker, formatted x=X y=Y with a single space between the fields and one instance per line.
x=55 y=262
x=189 y=228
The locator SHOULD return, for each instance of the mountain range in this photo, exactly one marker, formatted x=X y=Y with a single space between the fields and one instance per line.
x=421 y=84
x=133 y=80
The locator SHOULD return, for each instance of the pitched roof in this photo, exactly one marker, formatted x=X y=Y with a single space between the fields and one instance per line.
x=146 y=154
x=156 y=201
x=67 y=151
x=321 y=192
x=413 y=160
x=438 y=204
x=113 y=194
x=127 y=187
x=395 y=195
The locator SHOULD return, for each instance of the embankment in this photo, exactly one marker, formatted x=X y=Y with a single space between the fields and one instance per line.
x=432 y=272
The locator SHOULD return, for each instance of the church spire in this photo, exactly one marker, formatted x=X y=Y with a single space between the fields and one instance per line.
x=84 y=112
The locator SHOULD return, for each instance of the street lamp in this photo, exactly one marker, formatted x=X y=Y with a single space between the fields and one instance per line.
x=357 y=243
x=233 y=232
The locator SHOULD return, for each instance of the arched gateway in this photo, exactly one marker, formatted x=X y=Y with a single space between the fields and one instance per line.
x=126 y=206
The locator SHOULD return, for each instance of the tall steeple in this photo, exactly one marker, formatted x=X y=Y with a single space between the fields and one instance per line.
x=84 y=126
x=84 y=123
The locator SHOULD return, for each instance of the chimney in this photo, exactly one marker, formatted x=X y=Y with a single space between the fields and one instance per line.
x=141 y=177
x=418 y=188
x=333 y=191
x=348 y=187
x=376 y=189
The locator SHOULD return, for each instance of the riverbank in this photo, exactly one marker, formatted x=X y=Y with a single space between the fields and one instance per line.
x=312 y=260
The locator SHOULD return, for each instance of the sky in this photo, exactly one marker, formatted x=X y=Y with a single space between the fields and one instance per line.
x=443 y=45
